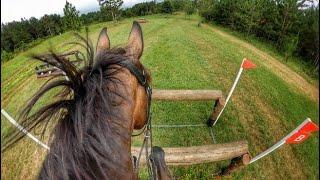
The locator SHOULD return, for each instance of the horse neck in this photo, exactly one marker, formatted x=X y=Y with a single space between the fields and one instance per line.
x=124 y=129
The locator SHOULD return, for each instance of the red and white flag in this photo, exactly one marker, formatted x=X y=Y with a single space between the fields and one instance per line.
x=303 y=133
x=298 y=135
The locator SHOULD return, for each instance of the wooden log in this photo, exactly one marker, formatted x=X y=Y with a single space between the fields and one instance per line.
x=181 y=156
x=218 y=106
x=236 y=164
x=191 y=95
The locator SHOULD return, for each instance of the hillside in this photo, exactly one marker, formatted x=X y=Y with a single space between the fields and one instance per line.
x=268 y=103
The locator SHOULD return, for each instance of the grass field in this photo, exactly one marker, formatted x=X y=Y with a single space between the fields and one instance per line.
x=268 y=103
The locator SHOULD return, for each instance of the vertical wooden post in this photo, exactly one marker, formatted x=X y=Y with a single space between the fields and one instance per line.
x=217 y=108
x=235 y=164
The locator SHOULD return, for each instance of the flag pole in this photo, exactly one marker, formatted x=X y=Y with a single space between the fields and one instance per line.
x=280 y=143
x=231 y=91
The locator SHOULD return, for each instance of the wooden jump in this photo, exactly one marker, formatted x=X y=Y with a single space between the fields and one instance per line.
x=187 y=95
x=193 y=95
x=46 y=70
x=142 y=20
x=181 y=156
x=236 y=151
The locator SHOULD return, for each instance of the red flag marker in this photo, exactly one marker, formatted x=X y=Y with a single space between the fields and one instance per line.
x=309 y=127
x=297 y=138
x=247 y=64
x=300 y=134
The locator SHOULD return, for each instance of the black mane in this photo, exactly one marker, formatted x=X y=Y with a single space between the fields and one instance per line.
x=83 y=144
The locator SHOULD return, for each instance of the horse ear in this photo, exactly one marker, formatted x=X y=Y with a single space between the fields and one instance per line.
x=103 y=41
x=135 y=42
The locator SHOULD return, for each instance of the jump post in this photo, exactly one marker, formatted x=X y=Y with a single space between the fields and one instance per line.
x=193 y=95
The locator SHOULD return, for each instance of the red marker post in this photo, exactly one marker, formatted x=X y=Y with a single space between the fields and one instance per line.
x=246 y=64
x=300 y=134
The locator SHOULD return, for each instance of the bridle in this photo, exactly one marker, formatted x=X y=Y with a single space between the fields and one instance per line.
x=141 y=76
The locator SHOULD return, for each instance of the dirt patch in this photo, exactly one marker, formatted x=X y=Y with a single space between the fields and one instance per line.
x=276 y=67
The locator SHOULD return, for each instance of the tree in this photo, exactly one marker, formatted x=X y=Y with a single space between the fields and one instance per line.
x=177 y=5
x=290 y=46
x=105 y=14
x=34 y=28
x=112 y=6
x=71 y=17
x=166 y=7
x=291 y=26
x=189 y=8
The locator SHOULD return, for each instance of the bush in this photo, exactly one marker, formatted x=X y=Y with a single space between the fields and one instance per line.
x=5 y=56
x=291 y=26
x=166 y=7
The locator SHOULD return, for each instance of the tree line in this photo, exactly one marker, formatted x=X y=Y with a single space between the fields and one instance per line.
x=292 y=26
x=20 y=35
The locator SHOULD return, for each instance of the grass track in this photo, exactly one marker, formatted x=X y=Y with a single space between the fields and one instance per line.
x=180 y=55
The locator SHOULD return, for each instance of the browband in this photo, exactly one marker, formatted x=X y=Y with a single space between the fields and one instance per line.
x=141 y=76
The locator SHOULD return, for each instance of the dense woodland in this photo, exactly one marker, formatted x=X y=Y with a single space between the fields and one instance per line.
x=292 y=26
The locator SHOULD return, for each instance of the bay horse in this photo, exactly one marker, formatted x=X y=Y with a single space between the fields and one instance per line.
x=97 y=108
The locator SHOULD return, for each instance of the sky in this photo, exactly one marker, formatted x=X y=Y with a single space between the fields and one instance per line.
x=16 y=9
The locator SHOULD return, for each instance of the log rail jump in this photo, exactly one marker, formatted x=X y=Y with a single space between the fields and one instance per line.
x=46 y=70
x=192 y=95
x=182 y=156
x=237 y=151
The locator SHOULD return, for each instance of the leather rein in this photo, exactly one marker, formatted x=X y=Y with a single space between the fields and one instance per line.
x=141 y=76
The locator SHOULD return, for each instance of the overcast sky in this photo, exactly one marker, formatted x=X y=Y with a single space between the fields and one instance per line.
x=17 y=9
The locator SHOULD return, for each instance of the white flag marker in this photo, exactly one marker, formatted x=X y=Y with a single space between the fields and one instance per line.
x=298 y=135
x=246 y=64
x=12 y=121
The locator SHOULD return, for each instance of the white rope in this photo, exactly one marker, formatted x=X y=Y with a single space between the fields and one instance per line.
x=185 y=126
x=177 y=125
x=12 y=121
x=212 y=136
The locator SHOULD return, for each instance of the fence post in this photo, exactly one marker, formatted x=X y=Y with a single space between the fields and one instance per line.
x=217 y=108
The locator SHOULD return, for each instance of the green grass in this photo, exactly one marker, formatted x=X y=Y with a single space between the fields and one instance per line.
x=181 y=55
x=298 y=65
